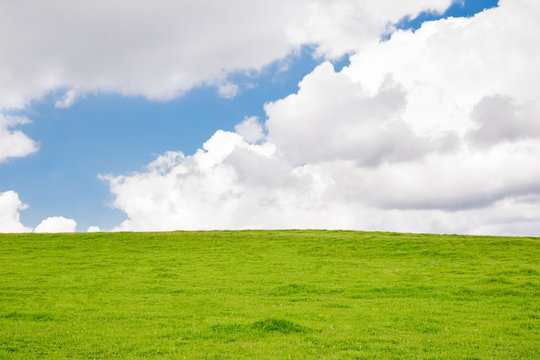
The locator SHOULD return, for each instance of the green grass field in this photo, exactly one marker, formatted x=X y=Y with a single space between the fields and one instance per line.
x=269 y=294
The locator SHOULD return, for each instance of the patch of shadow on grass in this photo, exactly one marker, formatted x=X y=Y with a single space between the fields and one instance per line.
x=273 y=325
x=18 y=345
x=528 y=271
x=231 y=332
x=402 y=291
x=19 y=316
x=296 y=289
x=529 y=325
x=529 y=285
x=166 y=275
x=428 y=328
x=300 y=299
x=522 y=271
x=178 y=291
x=224 y=330
x=492 y=293
x=427 y=325
x=337 y=306
x=496 y=280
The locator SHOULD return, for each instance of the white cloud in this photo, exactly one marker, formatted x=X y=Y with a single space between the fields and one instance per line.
x=500 y=120
x=10 y=206
x=228 y=90
x=56 y=224
x=210 y=189
x=69 y=99
x=161 y=49
x=389 y=143
x=250 y=186
x=235 y=185
x=316 y=125
x=14 y=143
x=344 y=26
x=250 y=129
x=448 y=66
x=93 y=228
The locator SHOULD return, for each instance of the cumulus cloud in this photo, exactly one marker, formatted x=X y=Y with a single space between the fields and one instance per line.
x=232 y=184
x=316 y=125
x=10 y=206
x=449 y=66
x=452 y=181
x=210 y=190
x=228 y=90
x=161 y=49
x=14 y=143
x=434 y=130
x=93 y=228
x=250 y=129
x=56 y=224
x=69 y=99
x=499 y=119
x=343 y=26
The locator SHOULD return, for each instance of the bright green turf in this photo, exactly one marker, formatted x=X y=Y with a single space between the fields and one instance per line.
x=269 y=294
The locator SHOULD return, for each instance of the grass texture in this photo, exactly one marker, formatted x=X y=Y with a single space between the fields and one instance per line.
x=268 y=295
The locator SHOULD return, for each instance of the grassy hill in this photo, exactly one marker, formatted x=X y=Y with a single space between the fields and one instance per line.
x=269 y=294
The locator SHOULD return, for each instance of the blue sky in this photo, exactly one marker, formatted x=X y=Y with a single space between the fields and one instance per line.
x=457 y=9
x=108 y=133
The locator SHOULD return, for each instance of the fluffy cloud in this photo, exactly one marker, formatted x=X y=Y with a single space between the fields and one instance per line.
x=228 y=90
x=434 y=130
x=343 y=26
x=93 y=228
x=10 y=206
x=316 y=125
x=161 y=49
x=56 y=224
x=250 y=129
x=14 y=143
x=69 y=99
x=449 y=66
x=447 y=83
x=500 y=120
x=227 y=184
x=233 y=184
